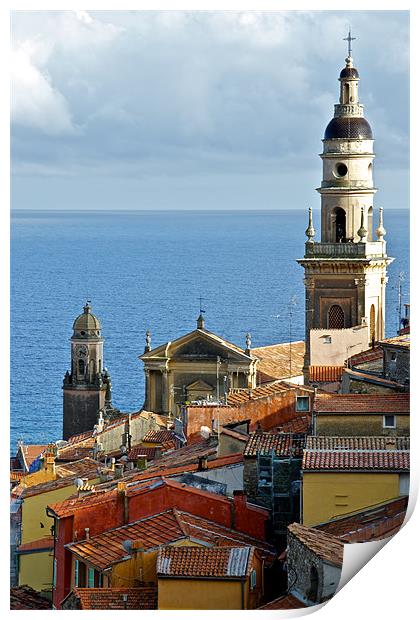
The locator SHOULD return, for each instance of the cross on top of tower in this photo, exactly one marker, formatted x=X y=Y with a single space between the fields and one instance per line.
x=349 y=39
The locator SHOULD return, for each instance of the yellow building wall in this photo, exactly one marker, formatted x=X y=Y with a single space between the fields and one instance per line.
x=328 y=495
x=199 y=594
x=359 y=425
x=36 y=570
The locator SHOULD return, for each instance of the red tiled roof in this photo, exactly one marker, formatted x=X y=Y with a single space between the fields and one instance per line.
x=107 y=548
x=283 y=444
x=403 y=340
x=160 y=436
x=299 y=424
x=219 y=562
x=30 y=452
x=374 y=523
x=284 y=602
x=321 y=442
x=362 y=403
x=281 y=361
x=24 y=597
x=117 y=598
x=43 y=544
x=139 y=451
x=327 y=547
x=80 y=437
x=243 y=395
x=364 y=357
x=72 y=504
x=325 y=374
x=352 y=460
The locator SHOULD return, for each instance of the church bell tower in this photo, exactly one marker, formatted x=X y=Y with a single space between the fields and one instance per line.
x=85 y=386
x=345 y=272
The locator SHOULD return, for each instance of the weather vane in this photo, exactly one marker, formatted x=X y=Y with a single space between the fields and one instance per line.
x=349 y=39
x=201 y=299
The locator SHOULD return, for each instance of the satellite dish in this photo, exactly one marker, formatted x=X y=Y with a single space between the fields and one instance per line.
x=205 y=432
x=127 y=546
x=79 y=483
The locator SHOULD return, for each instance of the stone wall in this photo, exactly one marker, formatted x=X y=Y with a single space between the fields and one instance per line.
x=397 y=369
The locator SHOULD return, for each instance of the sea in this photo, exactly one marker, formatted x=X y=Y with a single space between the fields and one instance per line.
x=154 y=270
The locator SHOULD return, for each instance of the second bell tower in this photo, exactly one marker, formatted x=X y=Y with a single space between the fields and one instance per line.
x=345 y=273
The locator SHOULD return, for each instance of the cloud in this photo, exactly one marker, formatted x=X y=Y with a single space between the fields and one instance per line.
x=172 y=93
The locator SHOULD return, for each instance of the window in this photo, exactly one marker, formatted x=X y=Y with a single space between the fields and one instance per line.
x=91 y=578
x=341 y=170
x=335 y=317
x=389 y=421
x=327 y=339
x=253 y=578
x=302 y=403
x=76 y=574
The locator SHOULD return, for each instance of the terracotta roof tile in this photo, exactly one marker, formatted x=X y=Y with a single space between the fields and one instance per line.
x=374 y=523
x=30 y=452
x=283 y=444
x=225 y=562
x=371 y=355
x=107 y=548
x=45 y=543
x=356 y=460
x=284 y=602
x=327 y=547
x=403 y=340
x=299 y=424
x=243 y=395
x=362 y=403
x=24 y=597
x=322 y=442
x=117 y=598
x=325 y=374
x=281 y=361
x=72 y=504
x=138 y=451
x=160 y=436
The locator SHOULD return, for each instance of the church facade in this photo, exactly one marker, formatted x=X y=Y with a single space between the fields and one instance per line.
x=346 y=271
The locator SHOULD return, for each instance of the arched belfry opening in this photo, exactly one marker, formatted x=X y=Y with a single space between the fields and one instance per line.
x=372 y=325
x=339 y=222
x=81 y=367
x=335 y=317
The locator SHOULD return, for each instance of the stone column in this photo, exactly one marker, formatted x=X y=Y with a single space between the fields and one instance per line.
x=147 y=389
x=165 y=391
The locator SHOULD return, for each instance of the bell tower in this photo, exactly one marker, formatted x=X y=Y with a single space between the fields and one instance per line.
x=84 y=387
x=345 y=273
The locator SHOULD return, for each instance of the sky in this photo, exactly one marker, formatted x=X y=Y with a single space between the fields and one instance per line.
x=197 y=110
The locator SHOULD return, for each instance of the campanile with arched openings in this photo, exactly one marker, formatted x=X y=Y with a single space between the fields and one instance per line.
x=345 y=272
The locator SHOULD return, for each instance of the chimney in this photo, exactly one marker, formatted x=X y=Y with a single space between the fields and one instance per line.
x=50 y=464
x=158 y=453
x=121 y=486
x=259 y=430
x=141 y=462
x=202 y=463
x=119 y=468
x=239 y=506
x=87 y=533
x=113 y=464
x=122 y=496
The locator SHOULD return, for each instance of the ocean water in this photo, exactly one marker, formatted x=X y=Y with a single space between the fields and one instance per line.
x=146 y=270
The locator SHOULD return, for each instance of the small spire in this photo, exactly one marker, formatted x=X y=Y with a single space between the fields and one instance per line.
x=148 y=346
x=380 y=231
x=248 y=344
x=87 y=307
x=200 y=321
x=362 y=232
x=310 y=231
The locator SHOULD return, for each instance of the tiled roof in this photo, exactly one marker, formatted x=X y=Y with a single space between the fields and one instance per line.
x=229 y=432
x=374 y=523
x=72 y=504
x=398 y=341
x=44 y=544
x=117 y=598
x=240 y=396
x=24 y=597
x=284 y=602
x=281 y=361
x=139 y=451
x=362 y=403
x=364 y=357
x=78 y=451
x=86 y=467
x=327 y=547
x=80 y=468
x=219 y=562
x=299 y=424
x=160 y=436
x=31 y=451
x=356 y=460
x=106 y=549
x=322 y=442
x=325 y=374
x=211 y=532
x=283 y=444
x=80 y=437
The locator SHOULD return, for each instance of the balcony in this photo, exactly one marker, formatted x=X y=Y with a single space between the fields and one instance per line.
x=369 y=249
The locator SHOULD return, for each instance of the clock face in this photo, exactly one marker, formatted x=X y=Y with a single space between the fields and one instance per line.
x=81 y=350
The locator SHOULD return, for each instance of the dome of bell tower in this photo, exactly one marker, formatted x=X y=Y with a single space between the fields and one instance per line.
x=87 y=324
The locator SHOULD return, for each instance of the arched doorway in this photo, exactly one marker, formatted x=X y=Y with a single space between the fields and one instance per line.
x=340 y=225
x=372 y=324
x=335 y=317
